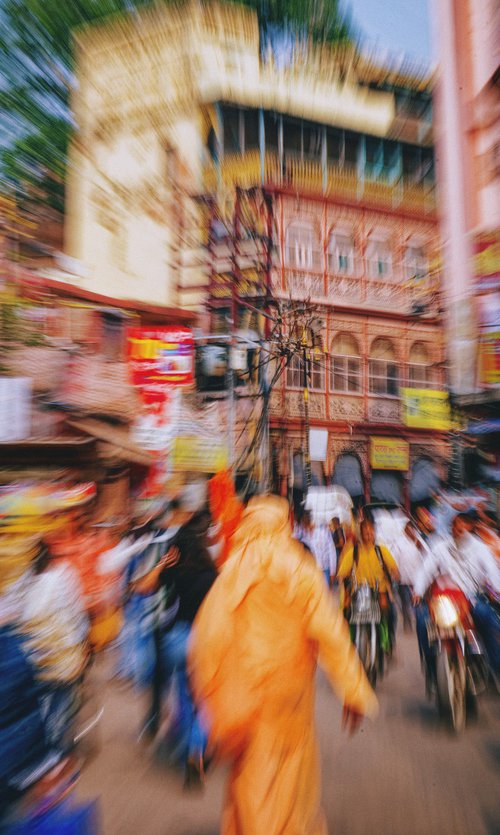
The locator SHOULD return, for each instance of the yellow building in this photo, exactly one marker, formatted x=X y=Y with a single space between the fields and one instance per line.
x=177 y=108
x=147 y=95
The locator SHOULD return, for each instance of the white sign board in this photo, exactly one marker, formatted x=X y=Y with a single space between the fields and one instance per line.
x=15 y=409
x=318 y=444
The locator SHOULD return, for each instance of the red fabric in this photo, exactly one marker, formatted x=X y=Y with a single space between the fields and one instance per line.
x=226 y=510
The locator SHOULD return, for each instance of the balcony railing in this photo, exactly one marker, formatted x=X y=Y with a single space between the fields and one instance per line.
x=308 y=175
x=350 y=291
x=338 y=407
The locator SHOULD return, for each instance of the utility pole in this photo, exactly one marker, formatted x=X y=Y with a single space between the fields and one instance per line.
x=235 y=282
x=264 y=385
x=305 y=383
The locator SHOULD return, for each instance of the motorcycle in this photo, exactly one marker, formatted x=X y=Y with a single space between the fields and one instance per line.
x=366 y=625
x=460 y=669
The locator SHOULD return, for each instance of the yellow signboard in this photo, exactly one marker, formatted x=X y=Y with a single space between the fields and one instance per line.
x=426 y=409
x=193 y=453
x=389 y=454
x=489 y=359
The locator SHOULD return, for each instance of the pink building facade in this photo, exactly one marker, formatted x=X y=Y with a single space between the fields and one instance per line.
x=467 y=46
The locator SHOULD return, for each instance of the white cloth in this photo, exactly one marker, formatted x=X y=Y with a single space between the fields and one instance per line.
x=320 y=542
x=56 y=622
x=469 y=563
x=115 y=559
x=408 y=557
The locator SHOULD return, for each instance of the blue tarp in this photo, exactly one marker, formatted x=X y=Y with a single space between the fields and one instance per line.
x=484 y=427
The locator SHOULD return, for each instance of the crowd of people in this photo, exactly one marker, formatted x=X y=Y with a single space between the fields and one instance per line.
x=227 y=606
x=458 y=542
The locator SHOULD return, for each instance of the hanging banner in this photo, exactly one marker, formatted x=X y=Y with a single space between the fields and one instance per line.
x=192 y=453
x=200 y=444
x=389 y=454
x=154 y=429
x=426 y=409
x=160 y=357
x=318 y=444
x=487 y=260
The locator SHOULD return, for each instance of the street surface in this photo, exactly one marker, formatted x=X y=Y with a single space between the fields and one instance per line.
x=401 y=775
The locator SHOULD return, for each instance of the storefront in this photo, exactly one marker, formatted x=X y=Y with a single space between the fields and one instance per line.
x=389 y=461
x=424 y=480
x=348 y=474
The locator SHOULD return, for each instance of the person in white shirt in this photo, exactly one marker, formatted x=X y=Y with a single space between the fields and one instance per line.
x=302 y=528
x=321 y=544
x=463 y=557
x=407 y=550
x=470 y=564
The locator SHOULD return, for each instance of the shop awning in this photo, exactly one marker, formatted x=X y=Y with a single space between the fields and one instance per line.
x=115 y=437
x=484 y=427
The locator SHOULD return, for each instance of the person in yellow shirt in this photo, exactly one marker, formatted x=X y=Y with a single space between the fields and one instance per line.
x=367 y=562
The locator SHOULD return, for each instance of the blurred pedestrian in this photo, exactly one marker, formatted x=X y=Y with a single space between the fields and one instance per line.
x=302 y=528
x=321 y=544
x=256 y=643
x=339 y=539
x=185 y=575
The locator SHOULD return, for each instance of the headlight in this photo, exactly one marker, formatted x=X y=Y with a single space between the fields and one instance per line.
x=445 y=612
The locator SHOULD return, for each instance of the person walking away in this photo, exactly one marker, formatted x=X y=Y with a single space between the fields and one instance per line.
x=259 y=634
x=186 y=573
x=339 y=539
x=302 y=528
x=321 y=544
x=373 y=564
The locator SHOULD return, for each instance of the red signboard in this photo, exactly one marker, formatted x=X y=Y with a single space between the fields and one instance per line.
x=160 y=357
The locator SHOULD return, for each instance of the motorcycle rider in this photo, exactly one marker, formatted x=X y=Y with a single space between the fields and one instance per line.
x=470 y=564
x=372 y=564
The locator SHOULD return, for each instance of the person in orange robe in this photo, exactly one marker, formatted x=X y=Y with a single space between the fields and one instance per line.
x=263 y=626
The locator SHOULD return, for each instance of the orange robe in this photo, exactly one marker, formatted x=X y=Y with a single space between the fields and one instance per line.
x=226 y=510
x=264 y=624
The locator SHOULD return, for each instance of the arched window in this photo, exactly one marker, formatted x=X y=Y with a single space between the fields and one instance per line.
x=316 y=369
x=347 y=473
x=379 y=259
x=345 y=365
x=416 y=264
x=383 y=368
x=302 y=251
x=294 y=373
x=341 y=259
x=419 y=368
x=424 y=480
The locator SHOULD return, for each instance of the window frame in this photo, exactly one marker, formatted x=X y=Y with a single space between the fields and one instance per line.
x=376 y=249
x=294 y=367
x=426 y=383
x=317 y=368
x=303 y=255
x=347 y=374
x=411 y=265
x=383 y=376
x=334 y=253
